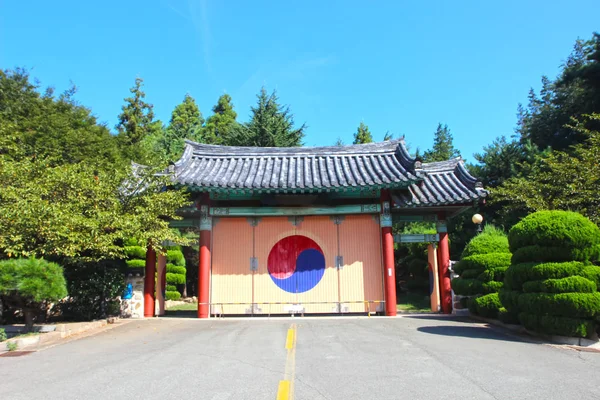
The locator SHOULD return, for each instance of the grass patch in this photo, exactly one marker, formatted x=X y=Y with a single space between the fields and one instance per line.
x=413 y=302
x=184 y=307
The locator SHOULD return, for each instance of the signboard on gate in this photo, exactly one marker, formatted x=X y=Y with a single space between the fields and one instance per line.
x=434 y=280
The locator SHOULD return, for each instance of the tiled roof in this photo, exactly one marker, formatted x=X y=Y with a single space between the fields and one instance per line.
x=385 y=165
x=296 y=169
x=444 y=183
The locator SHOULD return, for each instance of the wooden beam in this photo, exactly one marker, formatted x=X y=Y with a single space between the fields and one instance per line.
x=283 y=211
x=416 y=238
x=414 y=218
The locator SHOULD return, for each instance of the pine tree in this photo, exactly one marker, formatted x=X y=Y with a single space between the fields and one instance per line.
x=362 y=135
x=271 y=125
x=388 y=136
x=339 y=142
x=221 y=125
x=186 y=123
x=443 y=148
x=137 y=128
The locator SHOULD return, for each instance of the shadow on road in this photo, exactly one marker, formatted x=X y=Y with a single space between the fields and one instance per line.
x=475 y=332
x=439 y=317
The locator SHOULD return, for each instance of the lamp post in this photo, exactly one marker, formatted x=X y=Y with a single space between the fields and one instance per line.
x=477 y=220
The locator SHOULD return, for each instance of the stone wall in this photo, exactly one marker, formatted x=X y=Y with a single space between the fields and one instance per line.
x=134 y=307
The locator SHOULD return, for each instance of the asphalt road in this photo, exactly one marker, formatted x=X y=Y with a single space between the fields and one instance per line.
x=416 y=357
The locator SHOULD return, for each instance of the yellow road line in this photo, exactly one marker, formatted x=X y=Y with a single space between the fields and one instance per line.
x=289 y=341
x=283 y=393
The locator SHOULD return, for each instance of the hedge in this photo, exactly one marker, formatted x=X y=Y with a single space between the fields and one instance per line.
x=467 y=287
x=560 y=229
x=175 y=269
x=553 y=325
x=560 y=304
x=510 y=299
x=172 y=295
x=136 y=263
x=508 y=317
x=487 y=306
x=592 y=273
x=175 y=257
x=492 y=286
x=470 y=274
x=493 y=274
x=483 y=262
x=570 y=284
x=171 y=288
x=135 y=252
x=538 y=253
x=518 y=274
x=175 y=279
x=491 y=240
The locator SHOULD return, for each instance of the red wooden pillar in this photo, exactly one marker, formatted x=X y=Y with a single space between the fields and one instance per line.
x=387 y=241
x=444 y=266
x=204 y=260
x=149 y=283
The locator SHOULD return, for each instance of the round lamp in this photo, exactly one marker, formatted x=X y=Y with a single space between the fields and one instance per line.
x=477 y=219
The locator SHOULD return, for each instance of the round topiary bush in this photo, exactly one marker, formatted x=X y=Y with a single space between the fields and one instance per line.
x=551 y=285
x=172 y=295
x=491 y=240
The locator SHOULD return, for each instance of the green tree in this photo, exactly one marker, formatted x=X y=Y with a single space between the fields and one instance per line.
x=138 y=131
x=271 y=125
x=186 y=123
x=222 y=124
x=388 y=136
x=362 y=135
x=27 y=283
x=560 y=180
x=339 y=142
x=443 y=147
x=59 y=129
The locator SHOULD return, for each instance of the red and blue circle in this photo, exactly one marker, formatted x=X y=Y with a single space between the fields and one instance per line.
x=296 y=264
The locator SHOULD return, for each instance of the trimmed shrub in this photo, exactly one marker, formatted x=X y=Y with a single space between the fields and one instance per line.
x=518 y=274
x=175 y=269
x=487 y=306
x=176 y=257
x=470 y=274
x=467 y=287
x=135 y=252
x=560 y=304
x=3 y=336
x=491 y=240
x=553 y=325
x=570 y=284
x=483 y=262
x=493 y=274
x=175 y=279
x=547 y=254
x=170 y=288
x=508 y=317
x=172 y=295
x=592 y=273
x=136 y=263
x=492 y=286
x=560 y=229
x=510 y=300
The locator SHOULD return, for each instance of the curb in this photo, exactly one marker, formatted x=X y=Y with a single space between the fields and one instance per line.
x=575 y=342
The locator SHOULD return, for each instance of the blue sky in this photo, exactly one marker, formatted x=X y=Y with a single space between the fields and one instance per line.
x=398 y=66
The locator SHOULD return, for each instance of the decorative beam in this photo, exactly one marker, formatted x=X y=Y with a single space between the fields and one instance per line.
x=414 y=218
x=417 y=238
x=283 y=211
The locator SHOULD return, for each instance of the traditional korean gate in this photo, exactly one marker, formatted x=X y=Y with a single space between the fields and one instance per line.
x=280 y=265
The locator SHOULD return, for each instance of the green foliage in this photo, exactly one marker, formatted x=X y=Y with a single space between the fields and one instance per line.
x=135 y=252
x=12 y=346
x=564 y=229
x=443 y=147
x=362 y=135
x=487 y=306
x=564 y=285
x=171 y=288
x=483 y=262
x=509 y=299
x=491 y=240
x=518 y=274
x=560 y=304
x=175 y=279
x=136 y=263
x=492 y=274
x=508 y=317
x=592 y=273
x=186 y=123
x=492 y=286
x=270 y=125
x=221 y=126
x=553 y=325
x=172 y=295
x=549 y=254
x=3 y=336
x=175 y=257
x=470 y=274
x=467 y=287
x=175 y=269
